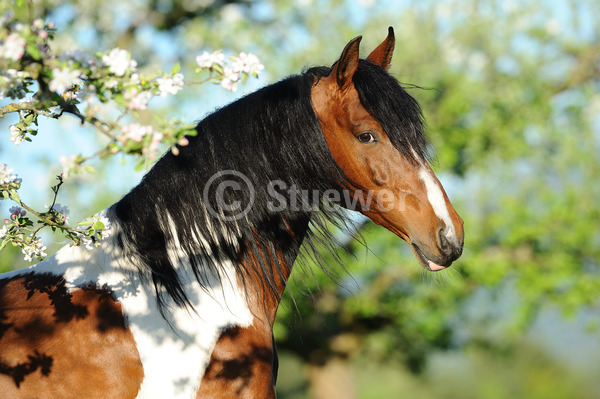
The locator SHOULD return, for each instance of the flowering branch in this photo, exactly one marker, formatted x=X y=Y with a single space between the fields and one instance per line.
x=18 y=228
x=79 y=84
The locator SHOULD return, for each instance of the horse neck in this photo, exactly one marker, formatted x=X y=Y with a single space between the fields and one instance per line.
x=267 y=265
x=272 y=135
x=262 y=251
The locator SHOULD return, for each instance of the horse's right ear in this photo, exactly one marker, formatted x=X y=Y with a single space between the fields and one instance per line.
x=382 y=55
x=344 y=68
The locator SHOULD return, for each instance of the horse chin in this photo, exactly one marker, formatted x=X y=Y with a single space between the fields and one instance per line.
x=425 y=262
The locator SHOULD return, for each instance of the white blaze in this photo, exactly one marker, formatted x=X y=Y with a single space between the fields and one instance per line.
x=436 y=199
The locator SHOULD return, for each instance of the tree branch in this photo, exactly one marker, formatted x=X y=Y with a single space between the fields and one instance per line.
x=16 y=107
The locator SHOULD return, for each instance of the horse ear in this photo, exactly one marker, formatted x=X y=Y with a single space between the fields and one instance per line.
x=345 y=67
x=382 y=55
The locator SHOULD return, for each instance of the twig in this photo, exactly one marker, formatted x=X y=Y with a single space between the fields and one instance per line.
x=43 y=219
x=102 y=127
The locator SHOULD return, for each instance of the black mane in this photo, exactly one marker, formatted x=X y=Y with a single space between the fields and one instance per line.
x=270 y=135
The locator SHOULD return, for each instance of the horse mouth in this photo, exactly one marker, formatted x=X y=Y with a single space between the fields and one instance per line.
x=425 y=262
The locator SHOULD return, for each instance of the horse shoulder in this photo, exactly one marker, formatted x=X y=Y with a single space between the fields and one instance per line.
x=56 y=342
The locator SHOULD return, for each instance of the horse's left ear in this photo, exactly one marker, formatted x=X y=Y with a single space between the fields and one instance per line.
x=382 y=55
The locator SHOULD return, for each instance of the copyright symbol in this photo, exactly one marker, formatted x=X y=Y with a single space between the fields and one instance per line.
x=228 y=195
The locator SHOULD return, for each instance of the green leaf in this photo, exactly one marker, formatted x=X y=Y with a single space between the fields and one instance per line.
x=120 y=100
x=33 y=50
x=99 y=225
x=15 y=196
x=175 y=68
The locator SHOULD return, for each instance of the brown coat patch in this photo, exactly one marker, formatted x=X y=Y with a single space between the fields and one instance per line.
x=242 y=365
x=60 y=344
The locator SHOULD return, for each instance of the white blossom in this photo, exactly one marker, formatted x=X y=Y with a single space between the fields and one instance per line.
x=35 y=249
x=247 y=63
x=107 y=230
x=3 y=232
x=19 y=27
x=230 y=79
x=11 y=84
x=88 y=243
x=208 y=60
x=137 y=99
x=63 y=79
x=111 y=83
x=134 y=79
x=119 y=61
x=170 y=85
x=135 y=131
x=7 y=176
x=15 y=135
x=13 y=47
x=38 y=24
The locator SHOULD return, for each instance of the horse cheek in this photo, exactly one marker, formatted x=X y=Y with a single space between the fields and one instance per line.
x=379 y=171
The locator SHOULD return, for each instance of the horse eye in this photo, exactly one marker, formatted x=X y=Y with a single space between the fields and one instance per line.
x=366 y=138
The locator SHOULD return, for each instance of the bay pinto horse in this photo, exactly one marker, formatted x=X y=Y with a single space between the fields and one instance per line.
x=180 y=301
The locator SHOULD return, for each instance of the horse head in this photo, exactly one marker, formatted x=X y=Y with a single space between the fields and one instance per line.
x=380 y=148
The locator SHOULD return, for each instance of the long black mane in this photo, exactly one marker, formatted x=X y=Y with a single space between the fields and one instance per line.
x=271 y=135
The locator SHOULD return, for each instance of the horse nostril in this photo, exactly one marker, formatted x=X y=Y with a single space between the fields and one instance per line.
x=443 y=241
x=448 y=244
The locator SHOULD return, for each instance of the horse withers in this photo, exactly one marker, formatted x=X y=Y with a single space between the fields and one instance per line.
x=179 y=302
